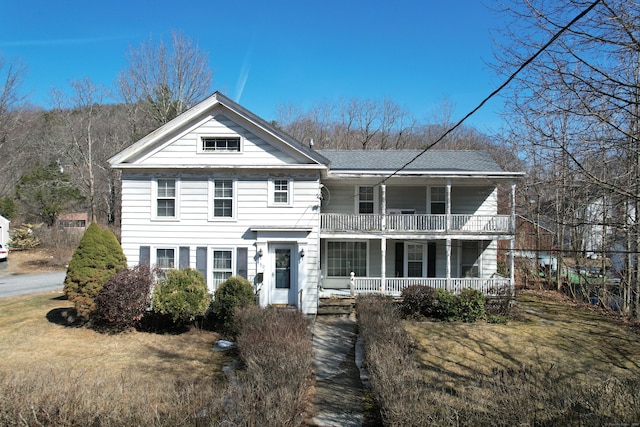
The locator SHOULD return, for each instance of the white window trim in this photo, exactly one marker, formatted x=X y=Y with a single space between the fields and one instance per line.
x=154 y=200
x=479 y=260
x=272 y=190
x=424 y=257
x=211 y=270
x=234 y=203
x=430 y=199
x=154 y=256
x=200 y=150
x=376 y=203
x=326 y=251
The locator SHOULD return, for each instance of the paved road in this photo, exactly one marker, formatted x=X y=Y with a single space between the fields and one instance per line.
x=30 y=283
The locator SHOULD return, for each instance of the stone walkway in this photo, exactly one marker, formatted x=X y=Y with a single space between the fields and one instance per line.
x=339 y=395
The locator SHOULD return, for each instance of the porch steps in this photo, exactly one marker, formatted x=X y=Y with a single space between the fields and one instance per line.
x=336 y=306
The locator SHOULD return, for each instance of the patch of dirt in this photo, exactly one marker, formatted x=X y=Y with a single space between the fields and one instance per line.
x=30 y=261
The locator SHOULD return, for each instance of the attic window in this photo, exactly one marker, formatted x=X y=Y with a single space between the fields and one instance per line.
x=221 y=143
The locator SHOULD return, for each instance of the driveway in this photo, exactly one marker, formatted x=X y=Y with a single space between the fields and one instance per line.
x=22 y=284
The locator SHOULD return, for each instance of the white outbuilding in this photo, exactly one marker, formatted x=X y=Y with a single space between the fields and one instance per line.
x=4 y=230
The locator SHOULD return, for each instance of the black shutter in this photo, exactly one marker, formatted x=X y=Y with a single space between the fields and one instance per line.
x=183 y=260
x=399 y=259
x=201 y=260
x=145 y=256
x=241 y=262
x=431 y=259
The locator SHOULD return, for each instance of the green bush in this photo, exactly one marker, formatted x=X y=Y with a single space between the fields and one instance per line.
x=182 y=294
x=418 y=301
x=233 y=294
x=470 y=305
x=125 y=297
x=97 y=257
x=446 y=306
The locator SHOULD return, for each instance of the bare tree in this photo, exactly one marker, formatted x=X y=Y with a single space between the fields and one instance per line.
x=85 y=131
x=165 y=80
x=577 y=105
x=12 y=115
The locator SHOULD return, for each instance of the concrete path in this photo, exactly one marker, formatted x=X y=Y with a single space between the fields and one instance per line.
x=339 y=395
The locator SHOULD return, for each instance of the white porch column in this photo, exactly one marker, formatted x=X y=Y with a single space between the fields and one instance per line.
x=448 y=204
x=383 y=188
x=448 y=283
x=383 y=267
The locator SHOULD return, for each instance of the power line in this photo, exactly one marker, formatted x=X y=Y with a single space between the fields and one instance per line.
x=499 y=89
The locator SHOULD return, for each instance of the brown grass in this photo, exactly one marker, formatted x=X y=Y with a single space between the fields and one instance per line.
x=559 y=364
x=552 y=333
x=59 y=375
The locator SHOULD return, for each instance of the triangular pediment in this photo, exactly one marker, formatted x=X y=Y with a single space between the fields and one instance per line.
x=217 y=133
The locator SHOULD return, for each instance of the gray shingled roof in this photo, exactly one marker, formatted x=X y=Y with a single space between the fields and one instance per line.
x=392 y=160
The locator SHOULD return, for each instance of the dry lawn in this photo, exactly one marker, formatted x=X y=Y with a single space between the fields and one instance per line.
x=558 y=364
x=58 y=372
x=551 y=334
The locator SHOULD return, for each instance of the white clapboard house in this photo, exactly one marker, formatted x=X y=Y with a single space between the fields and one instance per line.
x=220 y=190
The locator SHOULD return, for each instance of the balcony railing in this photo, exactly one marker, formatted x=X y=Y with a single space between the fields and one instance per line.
x=455 y=223
x=394 y=286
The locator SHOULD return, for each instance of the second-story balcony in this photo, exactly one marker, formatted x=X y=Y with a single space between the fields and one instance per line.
x=417 y=223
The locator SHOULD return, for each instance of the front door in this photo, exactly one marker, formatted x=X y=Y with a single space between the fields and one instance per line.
x=282 y=274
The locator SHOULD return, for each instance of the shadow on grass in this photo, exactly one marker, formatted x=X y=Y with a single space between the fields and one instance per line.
x=64 y=316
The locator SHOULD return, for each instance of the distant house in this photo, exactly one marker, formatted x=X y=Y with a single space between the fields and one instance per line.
x=4 y=231
x=76 y=222
x=532 y=237
x=221 y=190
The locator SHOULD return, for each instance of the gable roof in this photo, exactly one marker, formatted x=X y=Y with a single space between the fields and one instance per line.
x=451 y=162
x=157 y=137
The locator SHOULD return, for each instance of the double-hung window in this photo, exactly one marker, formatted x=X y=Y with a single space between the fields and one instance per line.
x=343 y=258
x=222 y=199
x=366 y=200
x=166 y=198
x=438 y=200
x=415 y=260
x=165 y=258
x=222 y=266
x=470 y=258
x=281 y=192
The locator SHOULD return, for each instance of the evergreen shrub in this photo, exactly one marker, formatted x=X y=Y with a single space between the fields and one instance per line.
x=97 y=257
x=471 y=305
x=182 y=295
x=233 y=294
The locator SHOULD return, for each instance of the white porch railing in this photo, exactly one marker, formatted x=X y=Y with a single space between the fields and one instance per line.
x=394 y=286
x=333 y=222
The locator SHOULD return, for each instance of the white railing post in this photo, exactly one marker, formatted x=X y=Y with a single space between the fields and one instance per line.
x=352 y=283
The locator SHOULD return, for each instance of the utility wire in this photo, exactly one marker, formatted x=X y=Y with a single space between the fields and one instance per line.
x=495 y=92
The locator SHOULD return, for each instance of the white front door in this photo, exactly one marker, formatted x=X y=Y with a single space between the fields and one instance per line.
x=283 y=274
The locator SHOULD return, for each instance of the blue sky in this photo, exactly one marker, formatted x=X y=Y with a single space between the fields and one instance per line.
x=267 y=53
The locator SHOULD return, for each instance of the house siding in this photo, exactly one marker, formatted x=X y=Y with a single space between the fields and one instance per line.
x=474 y=200
x=259 y=226
x=255 y=151
x=194 y=229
